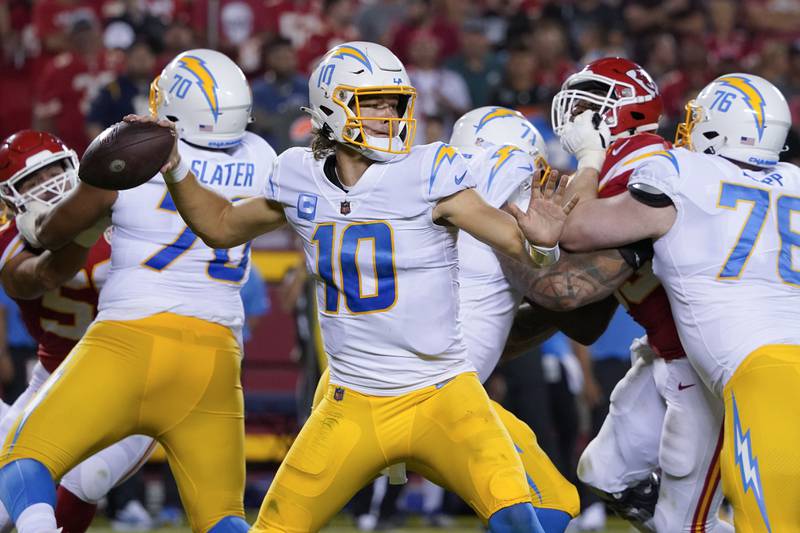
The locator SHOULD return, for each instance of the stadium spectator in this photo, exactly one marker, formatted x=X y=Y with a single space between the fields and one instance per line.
x=128 y=93
x=336 y=28
x=68 y=84
x=422 y=16
x=477 y=63
x=129 y=20
x=374 y=20
x=54 y=22
x=440 y=91
x=519 y=89
x=296 y=20
x=278 y=95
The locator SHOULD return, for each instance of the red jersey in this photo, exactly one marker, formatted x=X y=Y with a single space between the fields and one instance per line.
x=64 y=91
x=58 y=319
x=642 y=293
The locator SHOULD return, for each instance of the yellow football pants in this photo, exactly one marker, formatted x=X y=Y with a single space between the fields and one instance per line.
x=171 y=377
x=760 y=452
x=449 y=429
x=549 y=489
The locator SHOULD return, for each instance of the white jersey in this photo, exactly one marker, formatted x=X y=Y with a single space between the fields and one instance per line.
x=387 y=275
x=159 y=265
x=488 y=300
x=731 y=261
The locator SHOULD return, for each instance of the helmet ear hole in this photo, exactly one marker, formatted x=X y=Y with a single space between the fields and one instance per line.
x=637 y=115
x=172 y=118
x=710 y=135
x=327 y=110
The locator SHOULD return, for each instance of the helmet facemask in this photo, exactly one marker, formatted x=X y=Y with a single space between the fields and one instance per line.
x=49 y=192
x=401 y=129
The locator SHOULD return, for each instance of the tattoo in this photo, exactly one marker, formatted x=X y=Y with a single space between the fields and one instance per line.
x=576 y=280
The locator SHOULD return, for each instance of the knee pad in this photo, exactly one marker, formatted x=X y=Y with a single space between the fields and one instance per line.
x=23 y=483
x=230 y=524
x=90 y=480
x=637 y=504
x=518 y=518
x=552 y=520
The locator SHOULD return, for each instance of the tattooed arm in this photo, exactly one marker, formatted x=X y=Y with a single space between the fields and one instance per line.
x=575 y=280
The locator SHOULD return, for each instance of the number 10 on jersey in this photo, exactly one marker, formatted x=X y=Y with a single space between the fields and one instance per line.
x=344 y=266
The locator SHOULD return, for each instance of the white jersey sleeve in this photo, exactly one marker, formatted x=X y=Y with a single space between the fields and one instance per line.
x=449 y=172
x=731 y=261
x=385 y=272
x=159 y=265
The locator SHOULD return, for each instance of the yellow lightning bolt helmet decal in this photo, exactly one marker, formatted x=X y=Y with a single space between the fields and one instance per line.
x=444 y=153
x=752 y=97
x=501 y=155
x=497 y=112
x=205 y=81
x=355 y=53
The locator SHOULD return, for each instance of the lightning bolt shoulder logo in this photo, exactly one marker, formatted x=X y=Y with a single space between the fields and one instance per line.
x=501 y=156
x=205 y=81
x=445 y=152
x=751 y=96
x=355 y=53
x=748 y=463
x=669 y=156
x=494 y=113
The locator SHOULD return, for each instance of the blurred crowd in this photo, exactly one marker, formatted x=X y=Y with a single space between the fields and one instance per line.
x=75 y=67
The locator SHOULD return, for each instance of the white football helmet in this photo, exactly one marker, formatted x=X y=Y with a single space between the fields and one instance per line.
x=345 y=75
x=207 y=96
x=738 y=116
x=497 y=125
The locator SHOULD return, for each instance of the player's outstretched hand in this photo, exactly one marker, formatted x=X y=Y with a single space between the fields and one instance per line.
x=543 y=221
x=174 y=157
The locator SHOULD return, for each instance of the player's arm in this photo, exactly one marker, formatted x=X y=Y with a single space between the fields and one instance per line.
x=212 y=217
x=27 y=275
x=541 y=224
x=217 y=221
x=82 y=215
x=614 y=222
x=576 y=280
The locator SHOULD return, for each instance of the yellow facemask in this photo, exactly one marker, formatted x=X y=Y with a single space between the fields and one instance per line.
x=353 y=131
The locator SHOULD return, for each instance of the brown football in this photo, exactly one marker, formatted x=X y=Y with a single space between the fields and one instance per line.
x=126 y=155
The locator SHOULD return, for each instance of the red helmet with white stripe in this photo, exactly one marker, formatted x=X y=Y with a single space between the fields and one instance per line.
x=36 y=166
x=621 y=91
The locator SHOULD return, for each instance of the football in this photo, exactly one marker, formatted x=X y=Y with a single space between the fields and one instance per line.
x=126 y=155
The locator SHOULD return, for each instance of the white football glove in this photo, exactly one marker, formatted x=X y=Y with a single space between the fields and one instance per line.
x=26 y=222
x=587 y=137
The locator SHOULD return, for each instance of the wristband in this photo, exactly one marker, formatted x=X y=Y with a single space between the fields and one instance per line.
x=178 y=173
x=543 y=256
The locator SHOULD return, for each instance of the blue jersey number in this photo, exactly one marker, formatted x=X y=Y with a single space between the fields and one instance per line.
x=220 y=268
x=384 y=294
x=730 y=196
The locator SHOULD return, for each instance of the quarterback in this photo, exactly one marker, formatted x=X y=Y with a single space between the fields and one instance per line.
x=163 y=355
x=378 y=222
x=721 y=216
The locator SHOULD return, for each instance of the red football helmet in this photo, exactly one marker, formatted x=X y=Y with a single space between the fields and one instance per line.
x=25 y=153
x=621 y=91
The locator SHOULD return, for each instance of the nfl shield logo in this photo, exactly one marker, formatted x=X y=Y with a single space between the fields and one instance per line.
x=338 y=394
x=307 y=206
x=345 y=208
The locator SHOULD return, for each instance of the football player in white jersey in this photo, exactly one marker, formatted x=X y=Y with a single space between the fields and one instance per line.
x=503 y=149
x=723 y=216
x=57 y=296
x=163 y=356
x=378 y=220
x=657 y=408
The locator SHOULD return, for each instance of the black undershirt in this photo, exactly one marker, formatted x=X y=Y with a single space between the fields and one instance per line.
x=329 y=169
